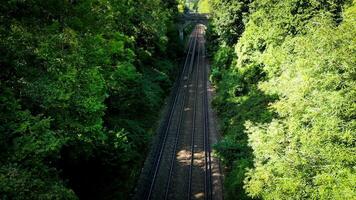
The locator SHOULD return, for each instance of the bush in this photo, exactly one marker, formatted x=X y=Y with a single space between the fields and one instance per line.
x=306 y=151
x=81 y=85
x=280 y=98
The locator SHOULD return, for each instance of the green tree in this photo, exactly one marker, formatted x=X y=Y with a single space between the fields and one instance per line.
x=247 y=83
x=306 y=152
x=81 y=85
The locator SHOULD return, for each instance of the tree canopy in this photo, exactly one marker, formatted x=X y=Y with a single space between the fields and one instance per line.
x=81 y=83
x=284 y=73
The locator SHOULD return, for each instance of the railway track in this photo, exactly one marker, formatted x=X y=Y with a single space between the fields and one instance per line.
x=181 y=164
x=200 y=145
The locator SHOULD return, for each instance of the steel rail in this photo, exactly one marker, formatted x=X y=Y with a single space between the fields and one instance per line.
x=193 y=127
x=206 y=176
x=157 y=160
x=178 y=130
x=208 y=172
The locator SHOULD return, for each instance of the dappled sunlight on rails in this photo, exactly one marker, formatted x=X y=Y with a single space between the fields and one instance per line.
x=184 y=156
x=187 y=109
x=198 y=195
x=199 y=159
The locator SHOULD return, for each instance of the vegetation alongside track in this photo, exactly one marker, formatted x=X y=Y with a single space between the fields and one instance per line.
x=81 y=85
x=285 y=78
x=82 y=82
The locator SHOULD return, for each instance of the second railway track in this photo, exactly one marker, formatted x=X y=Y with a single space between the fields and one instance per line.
x=180 y=167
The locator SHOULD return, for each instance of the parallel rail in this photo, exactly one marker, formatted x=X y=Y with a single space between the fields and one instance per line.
x=178 y=131
x=177 y=105
x=158 y=157
x=196 y=89
x=208 y=174
x=208 y=190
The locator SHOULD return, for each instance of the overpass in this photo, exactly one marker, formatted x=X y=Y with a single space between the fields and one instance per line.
x=191 y=18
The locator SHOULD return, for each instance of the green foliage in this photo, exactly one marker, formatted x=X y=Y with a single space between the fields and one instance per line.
x=28 y=146
x=313 y=135
x=228 y=19
x=285 y=99
x=237 y=101
x=81 y=83
x=204 y=6
x=181 y=6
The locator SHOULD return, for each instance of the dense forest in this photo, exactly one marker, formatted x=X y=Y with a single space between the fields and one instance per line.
x=81 y=85
x=285 y=77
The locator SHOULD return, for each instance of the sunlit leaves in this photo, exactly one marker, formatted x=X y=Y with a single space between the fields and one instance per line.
x=301 y=52
x=315 y=93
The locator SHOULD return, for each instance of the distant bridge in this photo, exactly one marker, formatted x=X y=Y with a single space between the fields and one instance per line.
x=194 y=16
x=189 y=18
